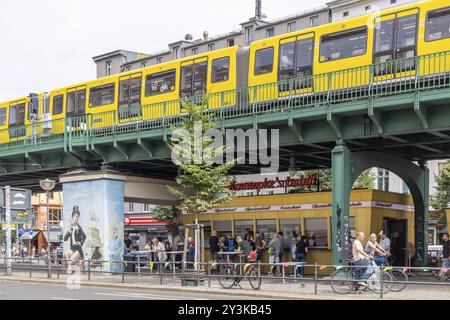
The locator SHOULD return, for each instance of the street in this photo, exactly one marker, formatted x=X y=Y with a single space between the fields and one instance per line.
x=13 y=290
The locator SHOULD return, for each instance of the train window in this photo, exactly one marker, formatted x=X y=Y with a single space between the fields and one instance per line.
x=305 y=52
x=17 y=114
x=406 y=31
x=186 y=77
x=2 y=116
x=384 y=40
x=102 y=95
x=76 y=102
x=58 y=102
x=159 y=83
x=264 y=61
x=200 y=71
x=287 y=56
x=438 y=25
x=130 y=91
x=343 y=45
x=220 y=70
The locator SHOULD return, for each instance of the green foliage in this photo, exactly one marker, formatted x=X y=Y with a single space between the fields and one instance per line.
x=164 y=213
x=441 y=201
x=204 y=184
x=365 y=180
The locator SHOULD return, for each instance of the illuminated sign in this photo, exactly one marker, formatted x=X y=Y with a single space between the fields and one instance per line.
x=305 y=182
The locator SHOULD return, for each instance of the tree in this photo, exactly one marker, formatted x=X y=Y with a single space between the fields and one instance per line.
x=365 y=180
x=168 y=214
x=204 y=183
x=441 y=200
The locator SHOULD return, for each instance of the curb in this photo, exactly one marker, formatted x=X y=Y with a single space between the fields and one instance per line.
x=276 y=296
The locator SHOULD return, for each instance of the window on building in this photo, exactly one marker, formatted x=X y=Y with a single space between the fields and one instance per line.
x=159 y=83
x=146 y=207
x=2 y=116
x=143 y=64
x=207 y=231
x=130 y=207
x=249 y=35
x=367 y=8
x=211 y=47
x=316 y=231
x=438 y=25
x=343 y=45
x=223 y=228
x=159 y=60
x=267 y=229
x=383 y=179
x=264 y=61
x=230 y=42
x=393 y=1
x=58 y=102
x=241 y=227
x=314 y=21
x=176 y=53
x=292 y=26
x=220 y=70
x=270 y=32
x=108 y=68
x=127 y=68
x=291 y=229
x=345 y=14
x=102 y=95
x=194 y=51
x=55 y=216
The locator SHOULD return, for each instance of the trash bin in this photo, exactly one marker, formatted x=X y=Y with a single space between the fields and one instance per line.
x=130 y=265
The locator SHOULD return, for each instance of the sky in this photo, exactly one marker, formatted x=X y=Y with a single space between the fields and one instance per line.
x=48 y=44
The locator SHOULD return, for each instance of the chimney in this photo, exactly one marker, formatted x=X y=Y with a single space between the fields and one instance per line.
x=205 y=36
x=258 y=10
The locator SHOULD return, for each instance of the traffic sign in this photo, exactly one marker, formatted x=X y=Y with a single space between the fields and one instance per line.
x=30 y=232
x=21 y=231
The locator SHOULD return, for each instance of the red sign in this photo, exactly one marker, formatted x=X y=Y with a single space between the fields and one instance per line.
x=303 y=182
x=142 y=221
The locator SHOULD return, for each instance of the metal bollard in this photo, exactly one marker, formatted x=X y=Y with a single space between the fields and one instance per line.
x=6 y=267
x=315 y=278
x=209 y=274
x=139 y=264
x=284 y=273
x=57 y=268
x=30 y=266
x=161 y=270
x=89 y=269
x=382 y=281
x=123 y=273
x=174 y=266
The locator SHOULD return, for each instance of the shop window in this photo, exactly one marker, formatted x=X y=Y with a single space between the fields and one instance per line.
x=267 y=229
x=291 y=229
x=343 y=45
x=264 y=61
x=223 y=228
x=317 y=233
x=207 y=232
x=241 y=227
x=438 y=25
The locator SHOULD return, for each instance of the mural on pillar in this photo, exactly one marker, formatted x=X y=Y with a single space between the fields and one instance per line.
x=93 y=224
x=338 y=229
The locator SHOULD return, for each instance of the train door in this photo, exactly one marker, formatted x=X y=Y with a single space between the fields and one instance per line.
x=17 y=112
x=296 y=63
x=194 y=75
x=76 y=107
x=4 y=124
x=130 y=97
x=395 y=39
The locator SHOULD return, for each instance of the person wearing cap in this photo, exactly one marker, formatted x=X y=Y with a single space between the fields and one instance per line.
x=77 y=238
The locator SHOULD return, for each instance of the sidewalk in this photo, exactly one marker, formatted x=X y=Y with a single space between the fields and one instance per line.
x=272 y=289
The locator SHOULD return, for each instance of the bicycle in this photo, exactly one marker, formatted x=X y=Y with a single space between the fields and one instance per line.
x=343 y=280
x=444 y=271
x=399 y=276
x=230 y=276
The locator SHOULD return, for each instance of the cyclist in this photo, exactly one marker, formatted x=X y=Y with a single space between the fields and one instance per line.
x=373 y=247
x=445 y=254
x=361 y=259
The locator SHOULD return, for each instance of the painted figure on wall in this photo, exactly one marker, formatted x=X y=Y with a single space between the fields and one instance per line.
x=115 y=250
x=77 y=237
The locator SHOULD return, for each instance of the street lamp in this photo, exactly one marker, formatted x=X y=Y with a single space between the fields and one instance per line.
x=48 y=185
x=178 y=178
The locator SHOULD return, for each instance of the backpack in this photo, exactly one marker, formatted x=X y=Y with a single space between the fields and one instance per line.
x=271 y=250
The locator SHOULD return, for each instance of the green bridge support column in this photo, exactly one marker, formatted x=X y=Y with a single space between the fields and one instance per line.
x=342 y=184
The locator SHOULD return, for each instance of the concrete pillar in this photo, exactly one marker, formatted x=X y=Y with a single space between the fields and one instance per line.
x=98 y=199
x=342 y=184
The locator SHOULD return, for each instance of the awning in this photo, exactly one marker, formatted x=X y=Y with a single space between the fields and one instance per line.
x=26 y=235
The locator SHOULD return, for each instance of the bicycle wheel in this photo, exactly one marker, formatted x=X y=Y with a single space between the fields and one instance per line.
x=400 y=280
x=254 y=278
x=227 y=277
x=374 y=282
x=342 y=281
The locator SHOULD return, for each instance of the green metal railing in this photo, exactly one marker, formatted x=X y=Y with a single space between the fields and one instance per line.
x=428 y=72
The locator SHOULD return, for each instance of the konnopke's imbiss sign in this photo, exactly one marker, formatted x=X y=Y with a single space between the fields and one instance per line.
x=312 y=206
x=303 y=182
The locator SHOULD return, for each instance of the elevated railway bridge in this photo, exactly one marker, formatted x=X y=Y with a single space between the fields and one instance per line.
x=397 y=123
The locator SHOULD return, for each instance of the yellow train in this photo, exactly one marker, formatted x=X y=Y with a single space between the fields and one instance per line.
x=354 y=53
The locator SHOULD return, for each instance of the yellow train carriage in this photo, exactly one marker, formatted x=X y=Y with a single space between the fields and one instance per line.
x=338 y=56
